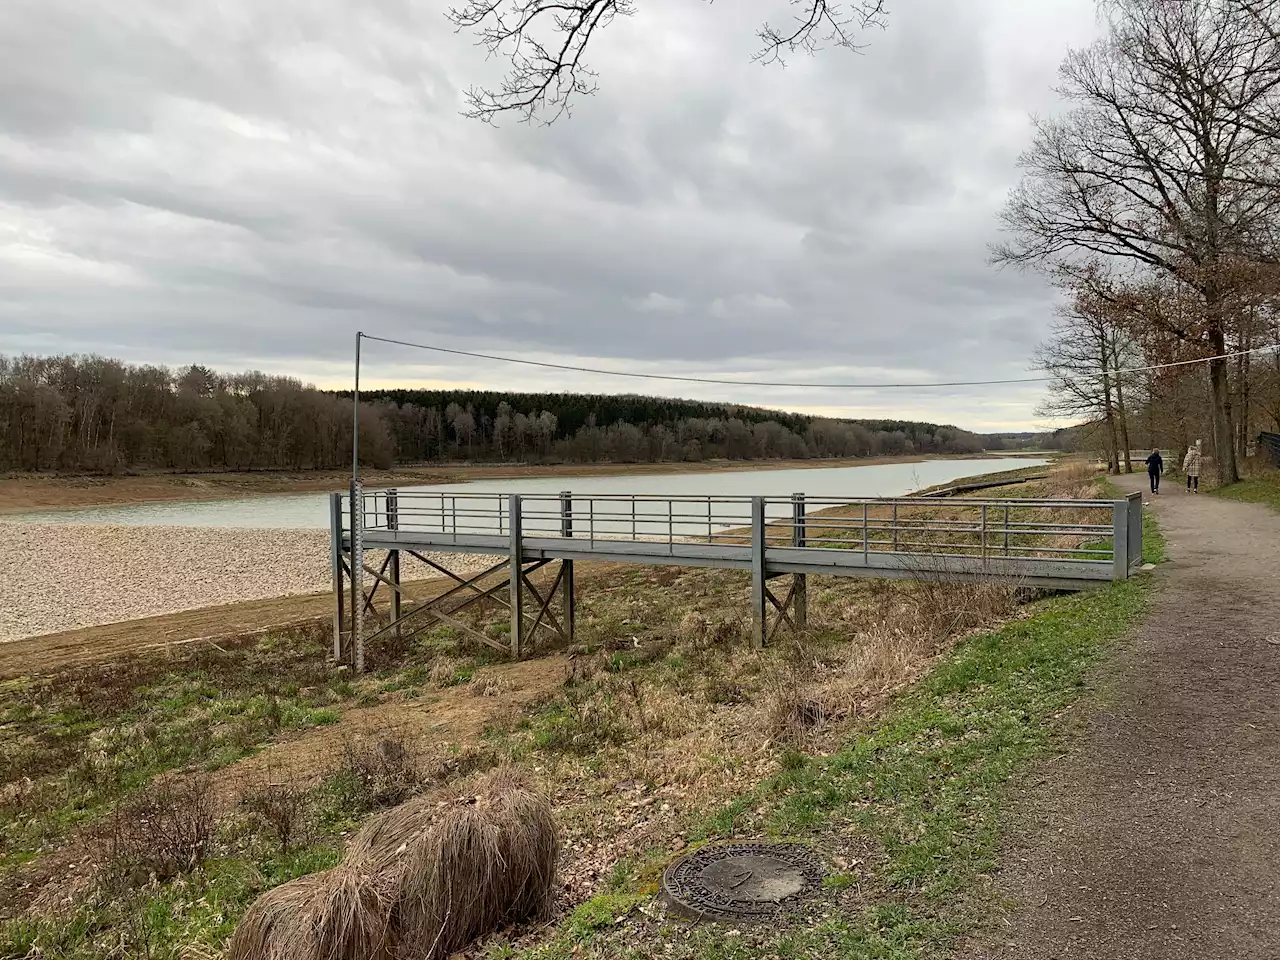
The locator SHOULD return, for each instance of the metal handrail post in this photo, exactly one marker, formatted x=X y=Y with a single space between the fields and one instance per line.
x=516 y=574
x=1120 y=539
x=393 y=524
x=757 y=572
x=800 y=583
x=335 y=557
x=567 y=599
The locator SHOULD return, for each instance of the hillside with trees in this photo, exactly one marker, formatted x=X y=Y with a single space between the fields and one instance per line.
x=93 y=414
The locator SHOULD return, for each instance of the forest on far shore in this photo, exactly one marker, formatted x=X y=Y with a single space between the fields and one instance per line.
x=93 y=414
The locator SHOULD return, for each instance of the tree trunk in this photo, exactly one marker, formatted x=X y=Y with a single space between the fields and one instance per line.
x=1228 y=472
x=1242 y=414
x=1124 y=421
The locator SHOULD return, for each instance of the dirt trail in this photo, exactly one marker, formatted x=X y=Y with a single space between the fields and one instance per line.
x=1156 y=836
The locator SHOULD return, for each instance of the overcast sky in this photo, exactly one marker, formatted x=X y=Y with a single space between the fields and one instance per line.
x=244 y=184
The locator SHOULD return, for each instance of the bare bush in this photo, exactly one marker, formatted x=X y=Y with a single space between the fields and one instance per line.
x=166 y=830
x=383 y=772
x=283 y=809
x=793 y=712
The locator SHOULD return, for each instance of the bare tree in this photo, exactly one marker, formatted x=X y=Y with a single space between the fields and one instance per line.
x=1163 y=164
x=545 y=42
x=1083 y=354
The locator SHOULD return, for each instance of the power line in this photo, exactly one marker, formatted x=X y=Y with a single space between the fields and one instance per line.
x=778 y=383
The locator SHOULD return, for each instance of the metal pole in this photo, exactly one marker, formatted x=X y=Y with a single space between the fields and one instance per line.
x=393 y=523
x=757 y=572
x=355 y=417
x=567 y=597
x=801 y=583
x=335 y=554
x=357 y=576
x=517 y=575
x=357 y=525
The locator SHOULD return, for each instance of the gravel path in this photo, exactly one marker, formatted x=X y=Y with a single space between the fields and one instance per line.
x=1158 y=834
x=66 y=576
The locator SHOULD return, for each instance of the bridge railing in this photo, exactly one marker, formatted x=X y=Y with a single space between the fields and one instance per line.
x=1068 y=531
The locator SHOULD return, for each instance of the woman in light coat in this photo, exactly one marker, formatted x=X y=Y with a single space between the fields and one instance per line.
x=1191 y=467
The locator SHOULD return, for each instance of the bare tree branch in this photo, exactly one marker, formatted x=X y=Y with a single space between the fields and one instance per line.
x=544 y=42
x=1169 y=164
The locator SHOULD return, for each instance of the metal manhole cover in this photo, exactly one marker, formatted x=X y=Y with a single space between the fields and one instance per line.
x=741 y=881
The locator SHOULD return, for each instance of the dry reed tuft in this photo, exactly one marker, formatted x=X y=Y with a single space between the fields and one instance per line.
x=487 y=859
x=338 y=914
x=418 y=882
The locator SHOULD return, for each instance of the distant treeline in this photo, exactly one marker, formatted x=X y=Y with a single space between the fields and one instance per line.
x=584 y=428
x=78 y=413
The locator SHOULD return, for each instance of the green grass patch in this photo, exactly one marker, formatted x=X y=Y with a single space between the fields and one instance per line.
x=926 y=787
x=1263 y=488
x=166 y=922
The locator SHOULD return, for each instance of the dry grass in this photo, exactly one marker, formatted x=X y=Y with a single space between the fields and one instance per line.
x=382 y=772
x=419 y=881
x=339 y=914
x=486 y=860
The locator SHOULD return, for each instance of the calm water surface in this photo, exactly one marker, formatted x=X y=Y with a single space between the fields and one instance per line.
x=311 y=510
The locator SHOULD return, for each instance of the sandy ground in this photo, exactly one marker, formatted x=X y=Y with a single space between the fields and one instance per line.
x=58 y=577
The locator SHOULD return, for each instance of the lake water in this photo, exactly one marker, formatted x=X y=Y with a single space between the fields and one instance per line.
x=311 y=510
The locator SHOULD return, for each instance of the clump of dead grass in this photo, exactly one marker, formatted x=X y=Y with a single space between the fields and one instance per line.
x=487 y=859
x=338 y=914
x=793 y=712
x=421 y=880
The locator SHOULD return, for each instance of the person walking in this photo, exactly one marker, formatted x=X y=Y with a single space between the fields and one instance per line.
x=1155 y=467
x=1191 y=467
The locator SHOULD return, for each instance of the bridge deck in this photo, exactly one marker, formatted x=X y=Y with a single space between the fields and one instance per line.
x=1056 y=544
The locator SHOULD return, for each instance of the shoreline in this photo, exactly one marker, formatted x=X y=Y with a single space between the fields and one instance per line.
x=23 y=493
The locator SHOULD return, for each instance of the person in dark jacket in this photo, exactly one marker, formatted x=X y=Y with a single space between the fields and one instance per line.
x=1155 y=467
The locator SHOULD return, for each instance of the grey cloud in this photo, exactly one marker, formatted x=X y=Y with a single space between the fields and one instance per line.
x=244 y=184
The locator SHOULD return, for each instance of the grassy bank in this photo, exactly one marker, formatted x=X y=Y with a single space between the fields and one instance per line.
x=1261 y=485
x=885 y=737
x=908 y=809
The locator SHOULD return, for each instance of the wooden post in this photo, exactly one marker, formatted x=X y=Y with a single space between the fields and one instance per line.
x=335 y=558
x=801 y=584
x=758 y=611
x=566 y=582
x=393 y=523
x=517 y=574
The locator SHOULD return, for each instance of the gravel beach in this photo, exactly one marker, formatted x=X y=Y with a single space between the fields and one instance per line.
x=65 y=576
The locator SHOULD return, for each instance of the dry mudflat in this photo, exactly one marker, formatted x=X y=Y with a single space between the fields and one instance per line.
x=64 y=576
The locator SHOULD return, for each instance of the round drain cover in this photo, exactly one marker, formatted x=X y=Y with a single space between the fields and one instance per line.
x=740 y=881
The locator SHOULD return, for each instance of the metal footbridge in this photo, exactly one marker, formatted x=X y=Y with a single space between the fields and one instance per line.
x=1055 y=544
